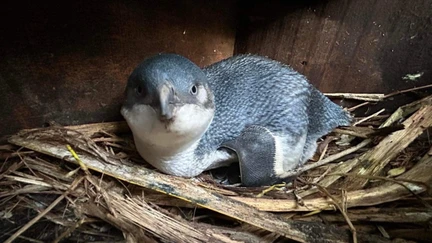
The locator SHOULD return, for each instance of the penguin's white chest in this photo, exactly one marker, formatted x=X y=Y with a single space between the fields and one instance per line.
x=189 y=123
x=162 y=143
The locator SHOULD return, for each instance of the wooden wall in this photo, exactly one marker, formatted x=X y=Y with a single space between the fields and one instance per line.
x=68 y=61
x=344 y=45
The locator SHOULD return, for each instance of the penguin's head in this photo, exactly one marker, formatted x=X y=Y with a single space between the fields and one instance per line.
x=168 y=101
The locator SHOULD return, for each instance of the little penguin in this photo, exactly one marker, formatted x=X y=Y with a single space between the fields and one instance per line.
x=246 y=108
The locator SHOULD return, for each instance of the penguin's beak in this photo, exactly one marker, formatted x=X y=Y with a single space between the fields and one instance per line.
x=166 y=99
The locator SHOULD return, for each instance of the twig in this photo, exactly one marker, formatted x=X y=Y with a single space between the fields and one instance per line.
x=271 y=188
x=110 y=139
x=69 y=230
x=6 y=156
x=369 y=117
x=105 y=127
x=351 y=132
x=383 y=231
x=361 y=96
x=387 y=192
x=390 y=95
x=397 y=181
x=44 y=212
x=343 y=212
x=28 y=181
x=323 y=152
x=331 y=158
x=28 y=239
x=404 y=215
x=12 y=168
x=400 y=113
x=373 y=161
x=407 y=90
x=187 y=190
x=358 y=106
x=81 y=164
x=318 y=179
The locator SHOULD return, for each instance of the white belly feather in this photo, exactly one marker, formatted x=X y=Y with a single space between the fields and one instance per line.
x=170 y=147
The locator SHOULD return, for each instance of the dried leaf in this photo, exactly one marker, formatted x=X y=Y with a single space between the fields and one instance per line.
x=396 y=171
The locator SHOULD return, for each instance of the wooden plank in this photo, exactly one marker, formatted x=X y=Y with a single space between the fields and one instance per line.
x=344 y=46
x=70 y=62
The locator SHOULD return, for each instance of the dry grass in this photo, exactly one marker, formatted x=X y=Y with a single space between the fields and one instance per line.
x=370 y=183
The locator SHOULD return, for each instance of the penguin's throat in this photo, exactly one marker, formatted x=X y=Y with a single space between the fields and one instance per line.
x=157 y=149
x=163 y=142
x=155 y=153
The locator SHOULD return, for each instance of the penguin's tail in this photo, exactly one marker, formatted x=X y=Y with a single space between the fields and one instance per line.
x=324 y=115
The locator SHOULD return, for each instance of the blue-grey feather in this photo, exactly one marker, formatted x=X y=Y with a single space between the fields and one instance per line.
x=254 y=90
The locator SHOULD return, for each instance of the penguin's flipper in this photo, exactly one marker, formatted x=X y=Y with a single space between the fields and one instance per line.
x=256 y=149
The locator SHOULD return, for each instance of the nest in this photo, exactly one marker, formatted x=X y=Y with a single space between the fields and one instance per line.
x=367 y=183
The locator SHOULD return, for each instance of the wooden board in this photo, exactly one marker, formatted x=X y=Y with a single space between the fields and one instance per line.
x=69 y=61
x=344 y=45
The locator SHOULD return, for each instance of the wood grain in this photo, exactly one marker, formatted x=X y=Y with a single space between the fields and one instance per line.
x=344 y=45
x=70 y=62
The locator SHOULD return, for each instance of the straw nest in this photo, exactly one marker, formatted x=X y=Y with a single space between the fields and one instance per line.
x=367 y=183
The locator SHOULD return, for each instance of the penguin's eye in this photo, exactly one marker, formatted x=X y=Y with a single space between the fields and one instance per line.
x=139 y=90
x=194 y=90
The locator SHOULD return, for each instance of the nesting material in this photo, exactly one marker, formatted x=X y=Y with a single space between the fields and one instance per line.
x=368 y=182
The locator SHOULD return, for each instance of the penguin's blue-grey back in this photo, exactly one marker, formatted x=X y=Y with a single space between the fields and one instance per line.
x=324 y=115
x=253 y=90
